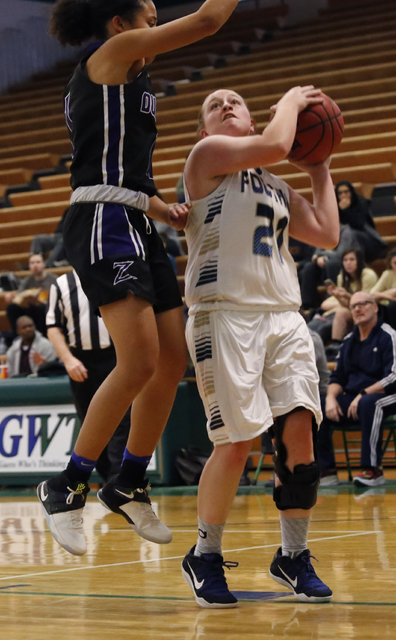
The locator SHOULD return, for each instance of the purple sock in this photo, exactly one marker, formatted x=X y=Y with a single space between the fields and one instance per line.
x=142 y=460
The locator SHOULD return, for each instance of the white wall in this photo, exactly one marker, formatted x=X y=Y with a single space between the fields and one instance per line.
x=12 y=11
x=25 y=45
x=300 y=10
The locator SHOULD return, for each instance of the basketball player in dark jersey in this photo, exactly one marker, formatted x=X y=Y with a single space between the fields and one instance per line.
x=116 y=251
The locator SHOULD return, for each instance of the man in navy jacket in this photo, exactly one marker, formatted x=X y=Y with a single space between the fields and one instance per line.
x=362 y=388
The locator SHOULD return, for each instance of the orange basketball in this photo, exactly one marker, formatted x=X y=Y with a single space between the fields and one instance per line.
x=320 y=128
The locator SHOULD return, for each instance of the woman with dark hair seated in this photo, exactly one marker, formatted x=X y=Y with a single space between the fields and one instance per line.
x=354 y=211
x=357 y=230
x=336 y=319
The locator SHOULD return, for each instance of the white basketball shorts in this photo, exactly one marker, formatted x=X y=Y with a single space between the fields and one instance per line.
x=251 y=367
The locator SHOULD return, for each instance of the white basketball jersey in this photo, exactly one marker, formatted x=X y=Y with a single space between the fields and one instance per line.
x=238 y=254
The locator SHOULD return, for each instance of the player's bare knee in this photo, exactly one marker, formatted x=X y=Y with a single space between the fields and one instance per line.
x=297 y=434
x=178 y=367
x=298 y=489
x=241 y=451
x=236 y=452
x=301 y=439
x=133 y=378
x=172 y=370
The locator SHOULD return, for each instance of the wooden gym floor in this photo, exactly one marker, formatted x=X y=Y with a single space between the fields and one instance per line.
x=129 y=588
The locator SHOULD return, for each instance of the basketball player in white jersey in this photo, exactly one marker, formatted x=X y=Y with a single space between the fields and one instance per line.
x=253 y=355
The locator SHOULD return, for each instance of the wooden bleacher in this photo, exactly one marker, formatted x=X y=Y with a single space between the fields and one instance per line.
x=347 y=51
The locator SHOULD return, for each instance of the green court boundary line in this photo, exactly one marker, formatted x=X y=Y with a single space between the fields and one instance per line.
x=181 y=599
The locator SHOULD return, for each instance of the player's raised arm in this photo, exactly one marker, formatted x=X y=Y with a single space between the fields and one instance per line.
x=133 y=27
x=143 y=43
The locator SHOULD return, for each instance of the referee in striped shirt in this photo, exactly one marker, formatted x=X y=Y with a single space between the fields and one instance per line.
x=83 y=343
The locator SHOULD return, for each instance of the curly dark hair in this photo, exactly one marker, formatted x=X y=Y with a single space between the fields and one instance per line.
x=75 y=21
x=347 y=279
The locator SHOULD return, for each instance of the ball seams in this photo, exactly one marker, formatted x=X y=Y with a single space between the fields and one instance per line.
x=318 y=137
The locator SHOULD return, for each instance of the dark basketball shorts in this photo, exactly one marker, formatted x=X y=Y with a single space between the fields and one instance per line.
x=115 y=250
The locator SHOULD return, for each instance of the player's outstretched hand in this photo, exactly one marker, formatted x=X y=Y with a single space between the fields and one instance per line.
x=299 y=96
x=178 y=215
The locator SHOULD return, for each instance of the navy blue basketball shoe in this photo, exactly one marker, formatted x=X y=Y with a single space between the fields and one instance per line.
x=205 y=575
x=298 y=575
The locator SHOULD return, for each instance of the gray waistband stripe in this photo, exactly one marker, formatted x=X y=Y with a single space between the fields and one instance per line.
x=109 y=193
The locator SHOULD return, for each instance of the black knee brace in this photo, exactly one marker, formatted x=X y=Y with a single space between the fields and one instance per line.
x=298 y=489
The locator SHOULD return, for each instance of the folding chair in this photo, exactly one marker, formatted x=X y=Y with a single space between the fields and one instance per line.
x=352 y=455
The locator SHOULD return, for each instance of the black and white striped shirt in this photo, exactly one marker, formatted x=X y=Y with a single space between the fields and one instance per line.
x=70 y=311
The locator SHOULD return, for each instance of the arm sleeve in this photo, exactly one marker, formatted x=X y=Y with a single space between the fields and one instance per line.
x=357 y=214
x=369 y=278
x=55 y=316
x=321 y=362
x=47 y=350
x=339 y=375
x=11 y=362
x=24 y=284
x=382 y=284
x=388 y=350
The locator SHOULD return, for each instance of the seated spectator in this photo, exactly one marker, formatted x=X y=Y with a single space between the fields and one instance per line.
x=336 y=319
x=357 y=231
x=301 y=253
x=29 y=350
x=354 y=211
x=171 y=241
x=30 y=299
x=180 y=185
x=384 y=291
x=180 y=190
x=51 y=245
x=170 y=238
x=321 y=364
x=362 y=389
x=327 y=461
x=324 y=265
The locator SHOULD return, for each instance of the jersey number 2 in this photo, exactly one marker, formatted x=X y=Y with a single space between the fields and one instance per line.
x=264 y=234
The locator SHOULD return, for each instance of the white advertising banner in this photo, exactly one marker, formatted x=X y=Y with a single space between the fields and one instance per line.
x=39 y=438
